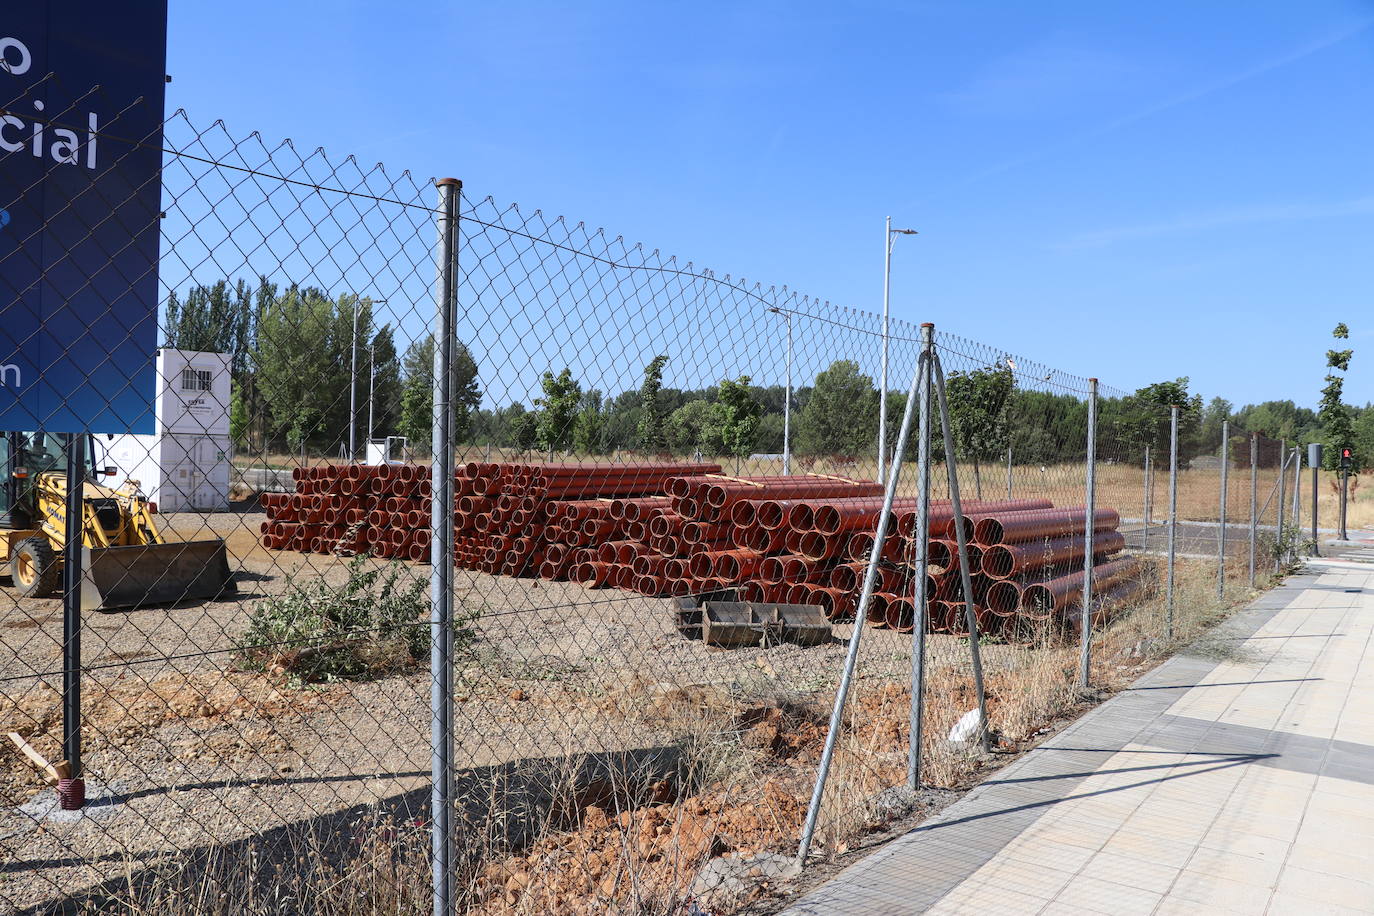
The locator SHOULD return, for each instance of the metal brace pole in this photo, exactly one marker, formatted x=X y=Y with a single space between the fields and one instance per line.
x=1173 y=521
x=1090 y=494
x=921 y=546
x=441 y=551
x=1225 y=491
x=860 y=612
x=975 y=654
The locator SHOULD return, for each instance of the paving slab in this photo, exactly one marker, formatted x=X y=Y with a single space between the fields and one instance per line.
x=1238 y=786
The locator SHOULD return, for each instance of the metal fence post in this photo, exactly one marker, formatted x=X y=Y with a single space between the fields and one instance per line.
x=918 y=633
x=1225 y=492
x=865 y=597
x=1297 y=496
x=961 y=537
x=1149 y=491
x=72 y=790
x=441 y=550
x=1085 y=638
x=1173 y=521
x=1314 y=459
x=1283 y=472
x=1008 y=470
x=1254 y=501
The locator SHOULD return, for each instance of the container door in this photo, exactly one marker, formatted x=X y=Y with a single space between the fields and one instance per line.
x=207 y=456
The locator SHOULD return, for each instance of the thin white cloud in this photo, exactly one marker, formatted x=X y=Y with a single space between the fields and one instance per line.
x=1046 y=77
x=1296 y=54
x=1220 y=219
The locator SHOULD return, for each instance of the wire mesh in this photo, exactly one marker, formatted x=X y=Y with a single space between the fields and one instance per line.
x=266 y=744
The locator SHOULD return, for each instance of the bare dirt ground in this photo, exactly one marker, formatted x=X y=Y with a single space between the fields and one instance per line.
x=196 y=753
x=193 y=754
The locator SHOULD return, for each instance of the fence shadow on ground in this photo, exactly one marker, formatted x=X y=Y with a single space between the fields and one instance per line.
x=502 y=809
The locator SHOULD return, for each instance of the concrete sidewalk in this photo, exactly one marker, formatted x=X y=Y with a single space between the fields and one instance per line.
x=1239 y=786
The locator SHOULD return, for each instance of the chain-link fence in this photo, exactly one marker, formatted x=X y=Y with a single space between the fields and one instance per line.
x=664 y=501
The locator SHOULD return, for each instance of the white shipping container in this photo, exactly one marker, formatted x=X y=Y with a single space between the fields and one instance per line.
x=193 y=392
x=185 y=466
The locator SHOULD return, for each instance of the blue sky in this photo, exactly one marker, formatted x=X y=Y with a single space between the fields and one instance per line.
x=1135 y=192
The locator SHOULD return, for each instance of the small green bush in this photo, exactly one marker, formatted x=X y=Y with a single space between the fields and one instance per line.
x=373 y=624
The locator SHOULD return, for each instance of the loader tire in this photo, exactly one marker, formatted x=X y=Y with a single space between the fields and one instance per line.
x=35 y=568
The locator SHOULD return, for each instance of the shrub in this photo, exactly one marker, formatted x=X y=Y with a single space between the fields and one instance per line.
x=374 y=624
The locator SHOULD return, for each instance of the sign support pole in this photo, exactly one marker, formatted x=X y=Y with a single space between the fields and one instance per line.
x=71 y=790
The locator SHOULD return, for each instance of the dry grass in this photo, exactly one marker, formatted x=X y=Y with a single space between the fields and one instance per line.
x=629 y=838
x=1029 y=689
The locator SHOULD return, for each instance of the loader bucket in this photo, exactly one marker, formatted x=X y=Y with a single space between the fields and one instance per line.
x=130 y=577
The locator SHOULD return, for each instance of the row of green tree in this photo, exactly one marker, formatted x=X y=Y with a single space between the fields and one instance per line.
x=294 y=351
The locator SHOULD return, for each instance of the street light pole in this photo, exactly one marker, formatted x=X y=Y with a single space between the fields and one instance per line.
x=353 y=385
x=787 y=399
x=787 y=408
x=353 y=382
x=889 y=239
x=371 y=384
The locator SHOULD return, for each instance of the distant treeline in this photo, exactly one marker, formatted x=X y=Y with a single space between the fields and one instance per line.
x=291 y=351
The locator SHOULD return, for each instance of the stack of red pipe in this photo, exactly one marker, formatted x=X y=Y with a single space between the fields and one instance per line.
x=675 y=529
x=382 y=510
x=550 y=519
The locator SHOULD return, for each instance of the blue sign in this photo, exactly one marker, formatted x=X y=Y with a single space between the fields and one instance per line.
x=81 y=109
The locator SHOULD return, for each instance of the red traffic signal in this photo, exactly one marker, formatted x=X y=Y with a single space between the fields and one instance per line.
x=1345 y=453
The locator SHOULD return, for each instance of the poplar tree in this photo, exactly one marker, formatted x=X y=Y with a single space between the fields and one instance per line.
x=1337 y=428
x=650 y=431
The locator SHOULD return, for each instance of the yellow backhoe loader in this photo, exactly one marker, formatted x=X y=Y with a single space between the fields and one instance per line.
x=125 y=562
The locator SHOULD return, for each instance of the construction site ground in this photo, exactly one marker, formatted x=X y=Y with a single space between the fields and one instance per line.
x=184 y=752
x=188 y=756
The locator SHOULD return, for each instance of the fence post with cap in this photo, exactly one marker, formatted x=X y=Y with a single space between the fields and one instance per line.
x=441 y=549
x=1221 y=528
x=1090 y=498
x=1173 y=522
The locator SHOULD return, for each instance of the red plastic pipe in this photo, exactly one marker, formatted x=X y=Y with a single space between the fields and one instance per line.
x=1042 y=600
x=1001 y=561
x=901 y=614
x=1038 y=523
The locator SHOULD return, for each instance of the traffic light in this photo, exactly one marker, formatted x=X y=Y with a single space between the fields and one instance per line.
x=1345 y=459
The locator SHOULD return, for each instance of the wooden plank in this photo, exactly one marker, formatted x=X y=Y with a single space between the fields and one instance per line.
x=832 y=477
x=54 y=771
